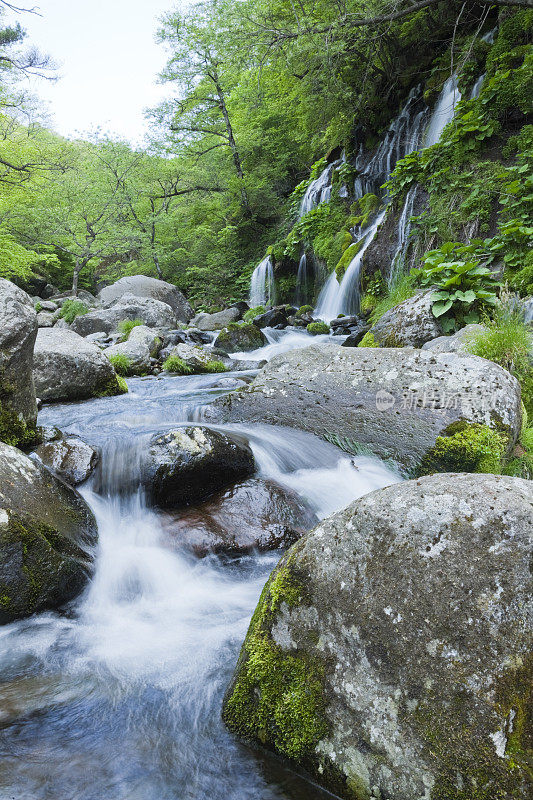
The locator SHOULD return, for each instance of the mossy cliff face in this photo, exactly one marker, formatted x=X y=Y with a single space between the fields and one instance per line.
x=389 y=653
x=47 y=537
x=18 y=329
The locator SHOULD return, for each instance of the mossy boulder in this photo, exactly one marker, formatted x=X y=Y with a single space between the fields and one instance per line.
x=186 y=359
x=390 y=653
x=409 y=324
x=18 y=329
x=68 y=367
x=241 y=338
x=47 y=537
x=188 y=464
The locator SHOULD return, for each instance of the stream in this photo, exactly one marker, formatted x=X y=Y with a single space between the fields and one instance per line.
x=119 y=698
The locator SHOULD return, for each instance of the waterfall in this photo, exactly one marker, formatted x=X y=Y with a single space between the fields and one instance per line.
x=263 y=285
x=402 y=235
x=476 y=88
x=319 y=190
x=344 y=298
x=302 y=282
x=443 y=112
x=528 y=309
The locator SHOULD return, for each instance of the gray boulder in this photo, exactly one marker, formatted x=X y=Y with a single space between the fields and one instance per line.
x=69 y=458
x=45 y=319
x=240 y=338
x=67 y=367
x=47 y=536
x=18 y=329
x=153 y=313
x=48 y=305
x=396 y=401
x=409 y=324
x=390 y=653
x=141 y=286
x=142 y=345
x=196 y=358
x=456 y=343
x=215 y=322
x=186 y=465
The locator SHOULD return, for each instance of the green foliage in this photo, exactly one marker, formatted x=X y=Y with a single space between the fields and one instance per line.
x=508 y=341
x=402 y=288
x=368 y=340
x=126 y=326
x=72 y=309
x=252 y=313
x=521 y=463
x=316 y=328
x=177 y=365
x=122 y=364
x=464 y=287
x=122 y=385
x=465 y=447
x=304 y=310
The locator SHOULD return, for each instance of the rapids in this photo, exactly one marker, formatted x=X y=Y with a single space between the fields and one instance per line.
x=120 y=697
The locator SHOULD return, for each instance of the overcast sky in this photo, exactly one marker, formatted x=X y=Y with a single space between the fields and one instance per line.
x=108 y=62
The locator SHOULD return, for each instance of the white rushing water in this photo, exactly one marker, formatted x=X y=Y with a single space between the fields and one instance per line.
x=443 y=112
x=263 y=284
x=121 y=697
x=319 y=190
x=302 y=292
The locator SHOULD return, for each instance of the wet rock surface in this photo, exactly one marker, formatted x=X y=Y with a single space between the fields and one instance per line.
x=188 y=464
x=47 y=536
x=253 y=515
x=396 y=401
x=69 y=458
x=390 y=653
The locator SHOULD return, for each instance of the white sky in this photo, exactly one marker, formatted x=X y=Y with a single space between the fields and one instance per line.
x=108 y=62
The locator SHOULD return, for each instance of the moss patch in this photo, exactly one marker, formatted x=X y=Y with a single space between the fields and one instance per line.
x=14 y=430
x=276 y=698
x=368 y=340
x=316 y=328
x=465 y=447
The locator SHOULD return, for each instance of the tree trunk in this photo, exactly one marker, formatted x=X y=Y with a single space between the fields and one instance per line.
x=233 y=147
x=77 y=269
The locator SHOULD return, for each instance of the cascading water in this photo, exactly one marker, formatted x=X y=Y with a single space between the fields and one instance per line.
x=528 y=310
x=476 y=88
x=443 y=112
x=319 y=190
x=302 y=293
x=263 y=284
x=402 y=235
x=121 y=697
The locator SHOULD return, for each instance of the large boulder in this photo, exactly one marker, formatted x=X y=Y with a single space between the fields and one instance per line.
x=396 y=401
x=253 y=515
x=409 y=324
x=215 y=322
x=241 y=338
x=68 y=457
x=188 y=464
x=67 y=367
x=197 y=359
x=275 y=317
x=457 y=343
x=144 y=287
x=142 y=345
x=47 y=536
x=18 y=329
x=390 y=653
x=153 y=313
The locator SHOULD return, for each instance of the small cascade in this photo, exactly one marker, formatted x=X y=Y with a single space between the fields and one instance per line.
x=302 y=283
x=319 y=190
x=528 y=310
x=443 y=112
x=476 y=88
x=402 y=235
x=263 y=285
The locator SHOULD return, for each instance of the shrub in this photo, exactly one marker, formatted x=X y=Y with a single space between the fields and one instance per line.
x=507 y=341
x=177 y=365
x=401 y=289
x=71 y=309
x=38 y=307
x=316 y=328
x=121 y=364
x=127 y=325
x=252 y=313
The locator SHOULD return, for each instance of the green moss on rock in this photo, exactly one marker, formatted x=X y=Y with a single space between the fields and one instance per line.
x=368 y=340
x=465 y=447
x=276 y=698
x=317 y=328
x=14 y=430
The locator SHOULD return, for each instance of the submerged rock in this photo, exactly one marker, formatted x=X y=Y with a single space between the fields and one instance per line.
x=253 y=515
x=409 y=324
x=68 y=367
x=395 y=401
x=69 y=458
x=186 y=465
x=240 y=338
x=18 y=329
x=141 y=286
x=390 y=653
x=47 y=535
x=153 y=313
